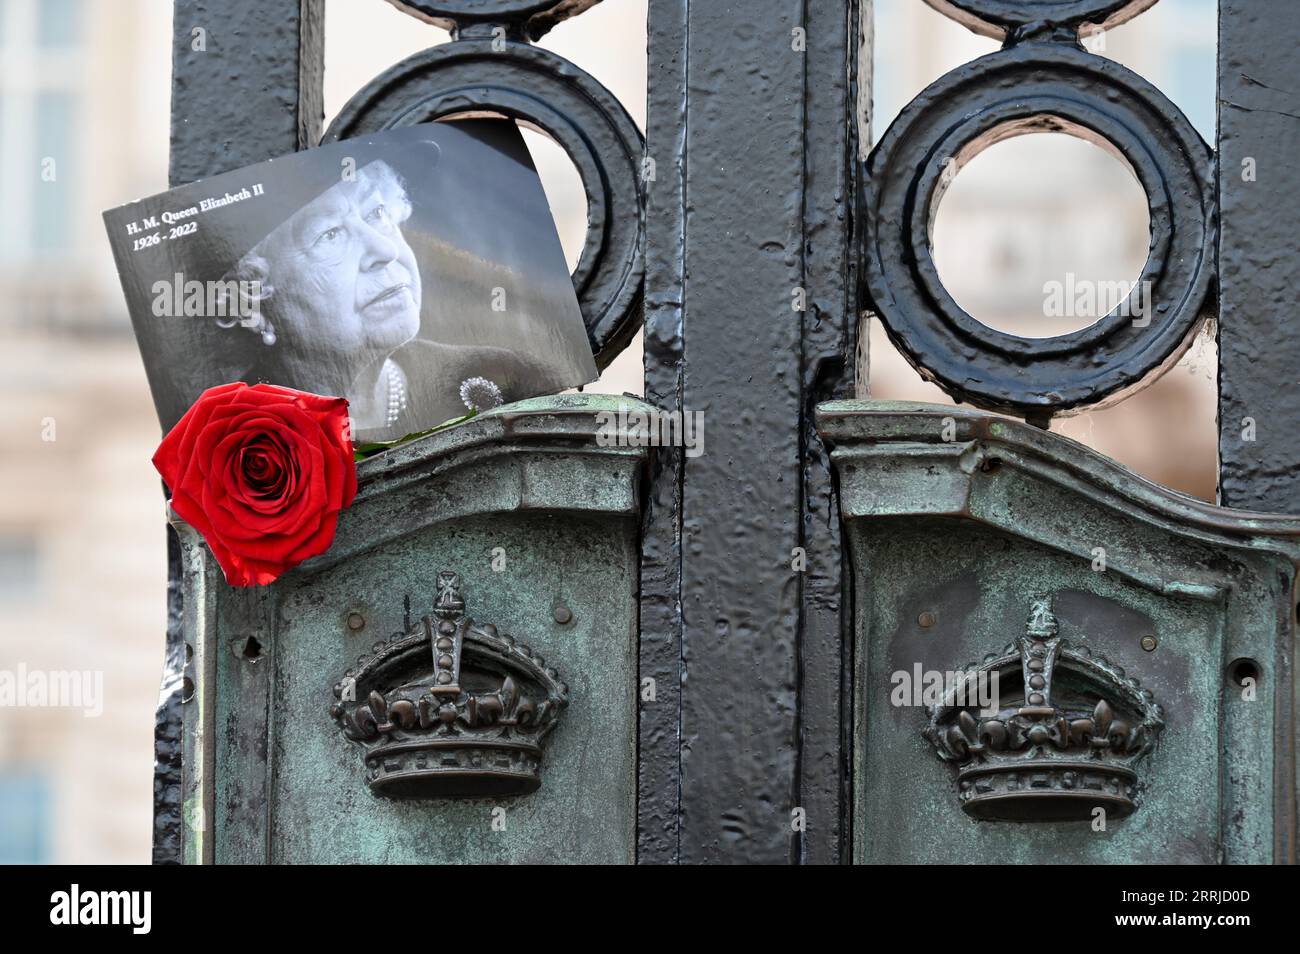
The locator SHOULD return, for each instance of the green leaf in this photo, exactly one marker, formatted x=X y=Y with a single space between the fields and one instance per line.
x=361 y=451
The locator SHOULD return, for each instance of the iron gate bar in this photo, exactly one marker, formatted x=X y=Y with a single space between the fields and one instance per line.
x=1259 y=272
x=1259 y=268
x=254 y=92
x=761 y=141
x=660 y=623
x=830 y=342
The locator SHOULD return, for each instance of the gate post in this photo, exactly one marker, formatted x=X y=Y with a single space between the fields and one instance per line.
x=257 y=754
x=238 y=97
x=454 y=680
x=1259 y=201
x=750 y=319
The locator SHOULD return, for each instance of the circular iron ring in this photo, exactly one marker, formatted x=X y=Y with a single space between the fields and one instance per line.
x=997 y=18
x=1037 y=87
x=533 y=17
x=480 y=9
x=535 y=86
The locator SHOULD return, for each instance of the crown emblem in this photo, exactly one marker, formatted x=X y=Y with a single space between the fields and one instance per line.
x=1064 y=741
x=450 y=708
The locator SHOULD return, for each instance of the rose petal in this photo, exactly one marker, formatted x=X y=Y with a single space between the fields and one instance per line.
x=261 y=472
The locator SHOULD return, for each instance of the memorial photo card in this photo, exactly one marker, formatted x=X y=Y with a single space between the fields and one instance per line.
x=416 y=272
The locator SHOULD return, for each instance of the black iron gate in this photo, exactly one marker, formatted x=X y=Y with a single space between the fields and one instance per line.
x=753 y=234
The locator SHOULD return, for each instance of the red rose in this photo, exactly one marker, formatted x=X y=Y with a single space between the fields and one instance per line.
x=262 y=472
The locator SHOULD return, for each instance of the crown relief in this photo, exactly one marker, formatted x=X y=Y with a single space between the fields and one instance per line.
x=450 y=708
x=1068 y=741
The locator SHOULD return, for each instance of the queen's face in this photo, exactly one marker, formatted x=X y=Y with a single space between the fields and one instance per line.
x=345 y=282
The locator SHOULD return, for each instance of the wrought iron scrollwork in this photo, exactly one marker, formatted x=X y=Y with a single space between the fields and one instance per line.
x=492 y=68
x=1042 y=80
x=532 y=17
x=997 y=18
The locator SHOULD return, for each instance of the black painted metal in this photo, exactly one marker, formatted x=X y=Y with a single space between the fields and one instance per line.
x=658 y=733
x=751 y=200
x=167 y=821
x=829 y=342
x=997 y=18
x=745 y=649
x=1046 y=84
x=253 y=92
x=1259 y=268
x=535 y=17
x=515 y=79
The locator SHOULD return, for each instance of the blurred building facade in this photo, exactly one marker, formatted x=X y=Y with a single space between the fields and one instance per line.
x=82 y=563
x=83 y=105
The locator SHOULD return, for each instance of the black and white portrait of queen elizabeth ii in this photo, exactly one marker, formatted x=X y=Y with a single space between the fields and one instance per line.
x=337 y=294
x=383 y=283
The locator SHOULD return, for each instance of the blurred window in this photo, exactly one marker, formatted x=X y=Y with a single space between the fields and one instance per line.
x=59 y=24
x=1192 y=78
x=55 y=113
x=24 y=818
x=40 y=69
x=41 y=78
x=20 y=566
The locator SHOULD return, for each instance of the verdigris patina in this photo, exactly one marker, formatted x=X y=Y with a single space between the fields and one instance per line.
x=535 y=507
x=450 y=707
x=964 y=524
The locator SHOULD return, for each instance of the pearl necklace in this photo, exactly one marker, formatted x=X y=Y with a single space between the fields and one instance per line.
x=396 y=392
